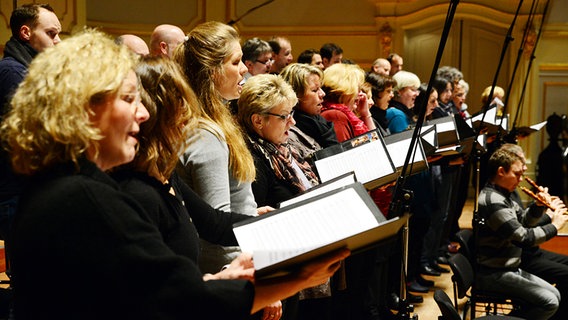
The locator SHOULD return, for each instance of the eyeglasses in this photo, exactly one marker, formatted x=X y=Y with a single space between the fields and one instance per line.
x=267 y=62
x=283 y=117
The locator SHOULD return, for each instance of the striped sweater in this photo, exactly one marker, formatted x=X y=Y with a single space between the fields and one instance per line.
x=507 y=228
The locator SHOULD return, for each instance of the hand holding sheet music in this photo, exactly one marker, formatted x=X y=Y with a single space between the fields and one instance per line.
x=346 y=217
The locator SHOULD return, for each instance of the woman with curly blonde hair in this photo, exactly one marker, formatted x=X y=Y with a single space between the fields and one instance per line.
x=76 y=115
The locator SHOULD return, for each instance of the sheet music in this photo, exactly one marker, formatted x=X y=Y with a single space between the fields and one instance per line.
x=430 y=137
x=445 y=126
x=538 y=126
x=481 y=139
x=504 y=123
x=301 y=229
x=321 y=190
x=398 y=150
x=369 y=162
x=489 y=116
x=447 y=149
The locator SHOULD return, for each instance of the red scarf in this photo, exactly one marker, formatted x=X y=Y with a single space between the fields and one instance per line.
x=358 y=125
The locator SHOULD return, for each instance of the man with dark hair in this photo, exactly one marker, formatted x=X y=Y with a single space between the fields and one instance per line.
x=331 y=54
x=311 y=57
x=35 y=27
x=281 y=54
x=396 y=63
x=505 y=230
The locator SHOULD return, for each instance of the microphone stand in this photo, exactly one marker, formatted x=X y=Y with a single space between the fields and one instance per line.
x=512 y=137
x=475 y=152
x=508 y=39
x=232 y=22
x=401 y=200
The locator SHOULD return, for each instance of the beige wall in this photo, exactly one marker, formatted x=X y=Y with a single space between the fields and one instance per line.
x=366 y=30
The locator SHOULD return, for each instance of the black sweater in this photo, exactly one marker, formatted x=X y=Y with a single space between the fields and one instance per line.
x=82 y=249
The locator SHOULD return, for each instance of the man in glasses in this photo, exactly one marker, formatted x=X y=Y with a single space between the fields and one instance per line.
x=257 y=57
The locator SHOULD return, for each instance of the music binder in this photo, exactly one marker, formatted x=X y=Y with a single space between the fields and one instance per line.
x=429 y=139
x=525 y=131
x=464 y=129
x=490 y=123
x=398 y=145
x=447 y=136
x=366 y=155
x=446 y=130
x=282 y=240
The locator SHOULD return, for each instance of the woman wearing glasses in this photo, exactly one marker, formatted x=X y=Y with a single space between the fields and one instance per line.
x=266 y=110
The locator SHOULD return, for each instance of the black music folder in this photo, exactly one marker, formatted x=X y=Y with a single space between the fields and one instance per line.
x=429 y=139
x=398 y=145
x=446 y=129
x=366 y=155
x=447 y=136
x=282 y=240
x=491 y=122
x=525 y=131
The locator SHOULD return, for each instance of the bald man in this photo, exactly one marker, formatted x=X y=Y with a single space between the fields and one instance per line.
x=134 y=43
x=165 y=38
x=381 y=67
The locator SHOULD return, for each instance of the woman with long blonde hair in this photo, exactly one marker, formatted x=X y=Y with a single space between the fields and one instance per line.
x=216 y=163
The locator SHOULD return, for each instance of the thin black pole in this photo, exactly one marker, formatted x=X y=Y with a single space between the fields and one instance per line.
x=232 y=22
x=400 y=196
x=513 y=134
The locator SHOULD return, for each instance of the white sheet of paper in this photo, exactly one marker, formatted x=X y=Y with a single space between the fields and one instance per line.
x=430 y=137
x=489 y=116
x=538 y=126
x=445 y=126
x=306 y=227
x=369 y=162
x=398 y=150
x=452 y=148
x=321 y=190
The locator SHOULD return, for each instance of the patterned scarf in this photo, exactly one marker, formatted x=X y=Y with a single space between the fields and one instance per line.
x=280 y=159
x=358 y=125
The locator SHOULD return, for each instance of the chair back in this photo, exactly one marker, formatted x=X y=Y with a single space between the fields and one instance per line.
x=444 y=302
x=463 y=275
x=467 y=247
